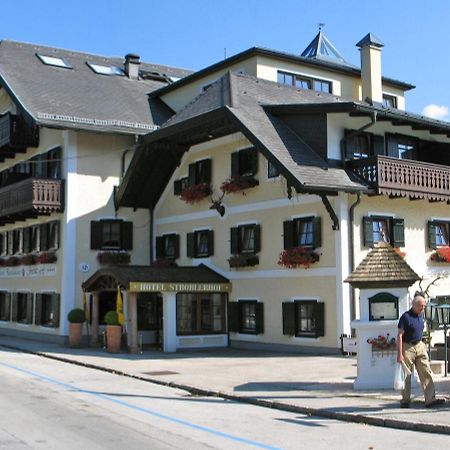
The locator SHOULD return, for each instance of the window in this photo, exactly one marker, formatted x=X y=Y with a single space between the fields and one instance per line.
x=304 y=318
x=200 y=313
x=304 y=82
x=389 y=101
x=5 y=306
x=106 y=70
x=246 y=317
x=199 y=172
x=17 y=241
x=303 y=232
x=246 y=239
x=48 y=236
x=438 y=233
x=362 y=144
x=272 y=170
x=22 y=307
x=3 y=244
x=168 y=246
x=47 y=310
x=388 y=229
x=149 y=311
x=111 y=235
x=400 y=146
x=244 y=162
x=200 y=244
x=54 y=61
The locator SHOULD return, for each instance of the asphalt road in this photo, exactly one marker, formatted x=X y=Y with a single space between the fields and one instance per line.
x=53 y=405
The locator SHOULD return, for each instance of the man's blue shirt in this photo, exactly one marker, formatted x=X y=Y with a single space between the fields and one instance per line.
x=412 y=324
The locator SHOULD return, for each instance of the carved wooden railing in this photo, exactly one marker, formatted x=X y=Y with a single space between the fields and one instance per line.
x=404 y=177
x=33 y=195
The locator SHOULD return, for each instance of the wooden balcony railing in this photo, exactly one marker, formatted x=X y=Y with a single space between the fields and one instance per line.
x=31 y=197
x=16 y=133
x=402 y=177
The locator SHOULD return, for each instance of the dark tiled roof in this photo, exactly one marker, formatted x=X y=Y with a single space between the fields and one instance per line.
x=382 y=266
x=185 y=274
x=79 y=98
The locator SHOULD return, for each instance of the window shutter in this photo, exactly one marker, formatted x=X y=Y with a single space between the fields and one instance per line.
x=233 y=317
x=177 y=187
x=349 y=145
x=10 y=243
x=8 y=305
x=43 y=237
x=234 y=236
x=26 y=240
x=377 y=144
x=192 y=177
x=210 y=242
x=126 y=231
x=56 y=309
x=288 y=318
x=431 y=234
x=38 y=310
x=392 y=145
x=29 y=308
x=159 y=247
x=319 y=316
x=317 y=232
x=96 y=235
x=57 y=232
x=190 y=245
x=208 y=167
x=235 y=164
x=257 y=238
x=14 y=306
x=254 y=161
x=398 y=227
x=177 y=246
x=288 y=234
x=367 y=232
x=259 y=316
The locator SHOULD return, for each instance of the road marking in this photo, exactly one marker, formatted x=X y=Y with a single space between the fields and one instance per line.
x=140 y=409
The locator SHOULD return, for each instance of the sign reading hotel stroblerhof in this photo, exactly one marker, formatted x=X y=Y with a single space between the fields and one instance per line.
x=179 y=287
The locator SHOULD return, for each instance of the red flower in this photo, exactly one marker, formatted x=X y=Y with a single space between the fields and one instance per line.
x=238 y=183
x=442 y=254
x=195 y=193
x=297 y=256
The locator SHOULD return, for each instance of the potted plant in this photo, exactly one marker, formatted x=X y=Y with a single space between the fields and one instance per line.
x=294 y=257
x=195 y=193
x=238 y=183
x=27 y=260
x=243 y=260
x=76 y=319
x=113 y=258
x=441 y=255
x=46 y=258
x=113 y=332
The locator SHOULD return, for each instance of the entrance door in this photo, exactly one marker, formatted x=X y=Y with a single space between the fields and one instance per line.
x=149 y=318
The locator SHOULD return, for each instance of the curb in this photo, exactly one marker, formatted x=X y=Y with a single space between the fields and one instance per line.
x=326 y=413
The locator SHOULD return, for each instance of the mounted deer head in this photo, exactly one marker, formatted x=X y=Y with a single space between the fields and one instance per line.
x=426 y=292
x=217 y=204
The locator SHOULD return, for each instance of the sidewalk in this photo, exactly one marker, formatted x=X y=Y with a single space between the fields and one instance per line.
x=315 y=385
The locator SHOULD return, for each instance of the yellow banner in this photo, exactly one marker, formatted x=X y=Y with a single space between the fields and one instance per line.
x=137 y=286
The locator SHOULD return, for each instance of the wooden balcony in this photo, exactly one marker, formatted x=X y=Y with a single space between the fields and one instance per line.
x=31 y=198
x=403 y=177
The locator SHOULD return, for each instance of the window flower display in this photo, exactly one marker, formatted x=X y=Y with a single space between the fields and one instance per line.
x=195 y=193
x=294 y=257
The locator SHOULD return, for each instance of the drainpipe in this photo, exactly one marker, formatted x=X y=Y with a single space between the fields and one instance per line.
x=351 y=213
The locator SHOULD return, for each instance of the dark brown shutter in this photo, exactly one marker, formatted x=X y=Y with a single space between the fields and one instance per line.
x=14 y=308
x=96 y=235
x=210 y=242
x=259 y=317
x=254 y=161
x=192 y=175
x=10 y=243
x=233 y=317
x=177 y=187
x=349 y=145
x=288 y=234
x=257 y=238
x=8 y=305
x=367 y=232
x=431 y=234
x=207 y=168
x=398 y=232
x=43 y=237
x=177 y=246
x=235 y=164
x=288 y=318
x=126 y=231
x=56 y=309
x=190 y=245
x=319 y=316
x=38 y=310
x=392 y=145
x=160 y=247
x=29 y=308
x=377 y=144
x=234 y=237
x=317 y=232
x=26 y=234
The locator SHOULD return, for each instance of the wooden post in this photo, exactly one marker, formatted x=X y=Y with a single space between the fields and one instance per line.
x=94 y=319
x=132 y=322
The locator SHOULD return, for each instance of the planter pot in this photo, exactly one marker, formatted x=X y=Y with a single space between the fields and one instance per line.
x=113 y=338
x=75 y=333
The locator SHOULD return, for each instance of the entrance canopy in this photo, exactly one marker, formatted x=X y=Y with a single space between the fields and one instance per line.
x=158 y=279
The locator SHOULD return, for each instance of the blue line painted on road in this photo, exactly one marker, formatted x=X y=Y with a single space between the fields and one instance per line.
x=140 y=409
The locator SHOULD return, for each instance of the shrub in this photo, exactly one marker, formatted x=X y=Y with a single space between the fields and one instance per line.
x=111 y=318
x=76 y=315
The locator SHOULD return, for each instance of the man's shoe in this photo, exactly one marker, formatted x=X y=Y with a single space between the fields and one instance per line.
x=435 y=402
x=404 y=404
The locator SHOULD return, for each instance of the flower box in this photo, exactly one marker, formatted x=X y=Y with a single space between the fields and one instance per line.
x=28 y=260
x=195 y=193
x=12 y=261
x=243 y=260
x=382 y=343
x=113 y=258
x=238 y=183
x=164 y=262
x=45 y=258
x=441 y=255
x=295 y=257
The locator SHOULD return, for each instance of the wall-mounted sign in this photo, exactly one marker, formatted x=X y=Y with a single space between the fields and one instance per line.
x=84 y=267
x=178 y=287
x=40 y=270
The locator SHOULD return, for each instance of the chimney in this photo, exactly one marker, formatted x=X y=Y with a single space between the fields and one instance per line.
x=132 y=63
x=370 y=47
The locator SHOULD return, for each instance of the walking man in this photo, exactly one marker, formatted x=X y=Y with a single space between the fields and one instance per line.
x=413 y=352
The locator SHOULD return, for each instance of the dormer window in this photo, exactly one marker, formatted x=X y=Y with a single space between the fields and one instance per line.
x=304 y=82
x=54 y=61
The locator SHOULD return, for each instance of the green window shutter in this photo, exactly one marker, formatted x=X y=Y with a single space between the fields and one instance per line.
x=56 y=309
x=208 y=167
x=26 y=240
x=210 y=242
x=431 y=234
x=288 y=234
x=14 y=307
x=96 y=235
x=38 y=310
x=177 y=187
x=377 y=144
x=126 y=231
x=235 y=164
x=159 y=247
x=192 y=177
x=319 y=316
x=288 y=318
x=317 y=232
x=177 y=246
x=398 y=228
x=233 y=317
x=29 y=308
x=190 y=245
x=367 y=232
x=234 y=237
x=257 y=238
x=259 y=316
x=254 y=161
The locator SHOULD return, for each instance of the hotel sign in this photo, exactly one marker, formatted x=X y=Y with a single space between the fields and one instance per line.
x=138 y=286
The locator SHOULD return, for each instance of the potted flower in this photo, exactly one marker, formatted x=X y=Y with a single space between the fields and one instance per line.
x=76 y=318
x=113 y=258
x=195 y=193
x=441 y=255
x=46 y=258
x=113 y=332
x=243 y=260
x=294 y=257
x=28 y=260
x=237 y=183
x=12 y=261
x=382 y=343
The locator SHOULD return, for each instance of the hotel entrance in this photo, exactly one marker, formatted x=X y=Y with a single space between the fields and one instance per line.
x=150 y=318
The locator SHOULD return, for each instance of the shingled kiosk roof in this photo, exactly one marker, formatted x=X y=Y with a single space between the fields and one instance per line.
x=382 y=267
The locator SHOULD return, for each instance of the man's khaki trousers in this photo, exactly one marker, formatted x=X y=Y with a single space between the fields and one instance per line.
x=416 y=355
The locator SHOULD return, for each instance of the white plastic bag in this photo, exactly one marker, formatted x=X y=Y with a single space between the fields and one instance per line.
x=401 y=372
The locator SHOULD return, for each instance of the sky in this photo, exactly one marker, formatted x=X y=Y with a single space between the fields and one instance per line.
x=196 y=33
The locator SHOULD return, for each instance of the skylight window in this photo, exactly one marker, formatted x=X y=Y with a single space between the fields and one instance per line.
x=54 y=61
x=106 y=70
